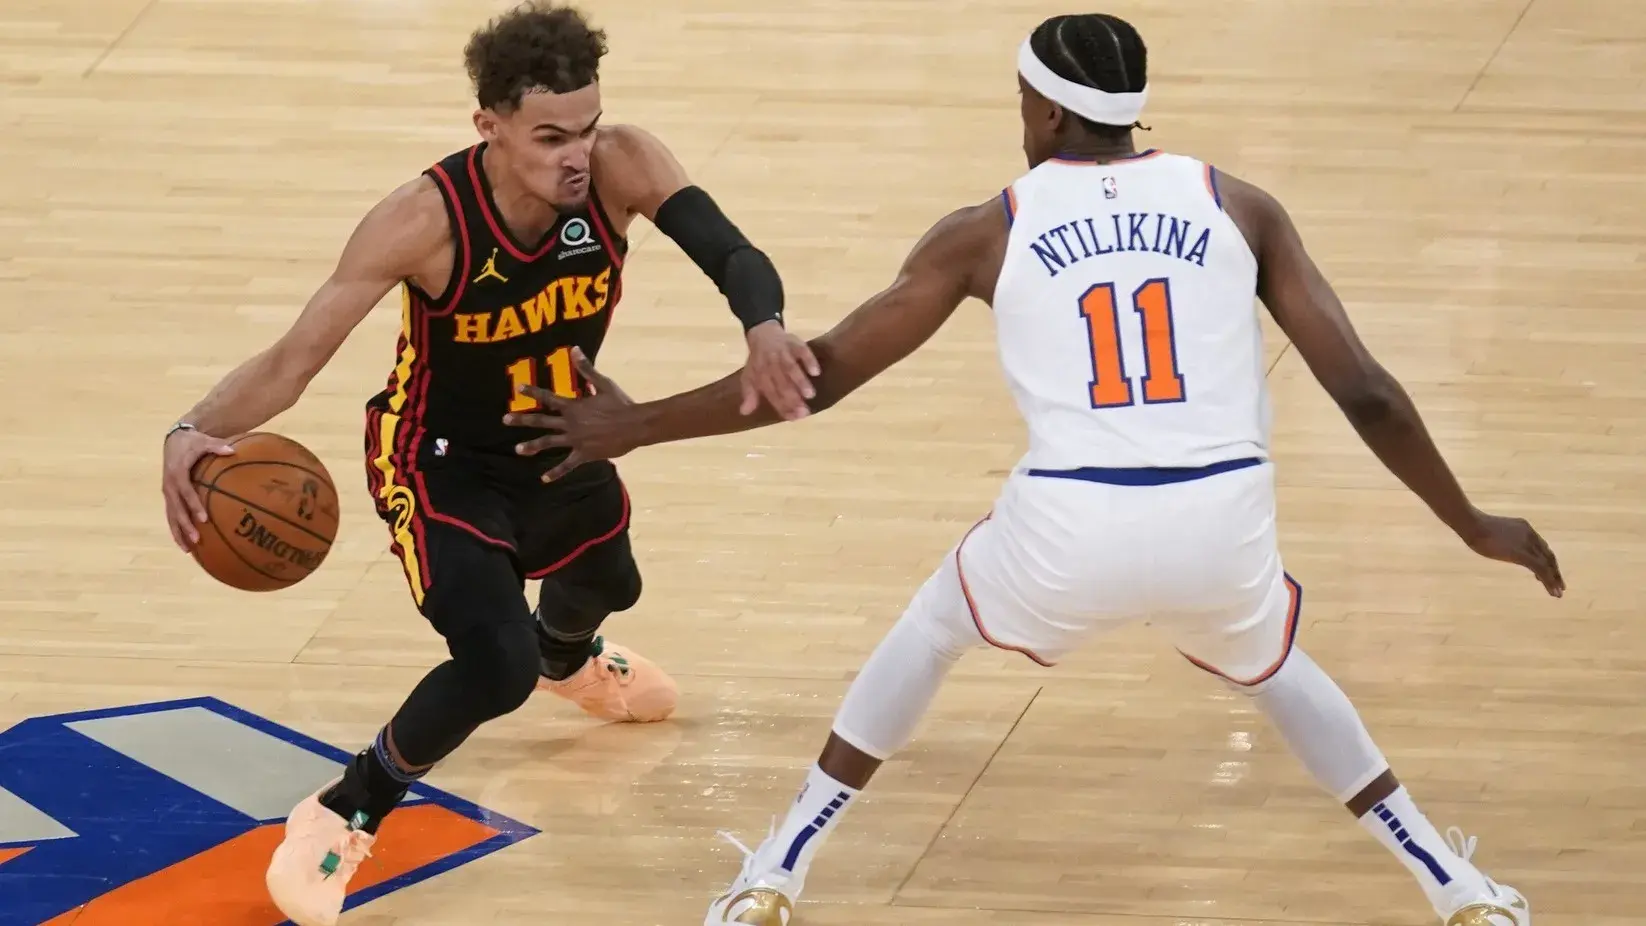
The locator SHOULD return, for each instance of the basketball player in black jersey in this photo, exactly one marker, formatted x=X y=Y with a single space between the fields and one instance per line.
x=509 y=256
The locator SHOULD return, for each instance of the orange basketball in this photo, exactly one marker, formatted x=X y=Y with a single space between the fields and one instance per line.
x=271 y=513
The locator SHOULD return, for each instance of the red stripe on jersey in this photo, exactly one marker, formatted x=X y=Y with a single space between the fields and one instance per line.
x=497 y=229
x=622 y=522
x=460 y=269
x=408 y=437
x=597 y=215
x=374 y=449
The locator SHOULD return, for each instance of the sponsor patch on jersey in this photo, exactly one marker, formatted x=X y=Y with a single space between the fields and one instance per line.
x=168 y=813
x=576 y=238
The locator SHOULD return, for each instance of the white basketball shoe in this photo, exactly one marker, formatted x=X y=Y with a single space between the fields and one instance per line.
x=758 y=897
x=1494 y=904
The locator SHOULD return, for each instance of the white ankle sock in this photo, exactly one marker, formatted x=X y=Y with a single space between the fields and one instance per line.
x=1408 y=834
x=1325 y=732
x=812 y=817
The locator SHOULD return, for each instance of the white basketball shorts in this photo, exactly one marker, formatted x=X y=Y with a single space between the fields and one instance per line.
x=1061 y=559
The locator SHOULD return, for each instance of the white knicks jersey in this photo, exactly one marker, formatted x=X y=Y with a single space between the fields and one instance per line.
x=1126 y=317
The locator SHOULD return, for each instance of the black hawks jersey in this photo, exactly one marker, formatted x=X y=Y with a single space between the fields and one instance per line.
x=510 y=316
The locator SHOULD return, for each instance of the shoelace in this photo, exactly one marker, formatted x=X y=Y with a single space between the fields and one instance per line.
x=614 y=663
x=748 y=853
x=1462 y=846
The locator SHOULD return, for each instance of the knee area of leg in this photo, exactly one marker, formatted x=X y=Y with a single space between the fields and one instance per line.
x=625 y=592
x=1286 y=677
x=1253 y=691
x=499 y=666
x=617 y=593
x=608 y=593
x=947 y=633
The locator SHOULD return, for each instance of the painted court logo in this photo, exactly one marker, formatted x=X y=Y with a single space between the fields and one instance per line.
x=168 y=813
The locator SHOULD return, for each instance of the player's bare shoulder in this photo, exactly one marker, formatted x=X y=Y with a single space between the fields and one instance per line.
x=408 y=235
x=1251 y=208
x=968 y=245
x=622 y=141
x=634 y=171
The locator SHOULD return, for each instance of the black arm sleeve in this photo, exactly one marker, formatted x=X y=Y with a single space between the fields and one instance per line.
x=742 y=272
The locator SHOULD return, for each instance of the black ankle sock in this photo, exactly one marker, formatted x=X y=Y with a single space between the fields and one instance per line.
x=561 y=658
x=565 y=633
x=369 y=786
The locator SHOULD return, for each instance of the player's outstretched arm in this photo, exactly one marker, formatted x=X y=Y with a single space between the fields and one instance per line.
x=637 y=169
x=391 y=242
x=1308 y=310
x=958 y=257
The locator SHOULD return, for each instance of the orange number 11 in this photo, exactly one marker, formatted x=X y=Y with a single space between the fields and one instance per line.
x=523 y=372
x=1110 y=386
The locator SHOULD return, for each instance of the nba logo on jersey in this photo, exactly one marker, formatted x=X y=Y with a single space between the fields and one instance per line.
x=169 y=812
x=1110 y=189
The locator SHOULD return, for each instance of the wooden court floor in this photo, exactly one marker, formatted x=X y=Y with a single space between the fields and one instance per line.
x=177 y=176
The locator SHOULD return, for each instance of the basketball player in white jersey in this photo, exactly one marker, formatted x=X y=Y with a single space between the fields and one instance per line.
x=1122 y=284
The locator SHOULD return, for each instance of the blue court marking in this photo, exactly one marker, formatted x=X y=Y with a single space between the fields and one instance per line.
x=131 y=821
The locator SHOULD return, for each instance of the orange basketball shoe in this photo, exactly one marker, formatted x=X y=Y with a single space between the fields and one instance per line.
x=618 y=684
x=308 y=876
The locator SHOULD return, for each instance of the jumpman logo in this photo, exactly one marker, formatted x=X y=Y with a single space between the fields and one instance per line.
x=489 y=271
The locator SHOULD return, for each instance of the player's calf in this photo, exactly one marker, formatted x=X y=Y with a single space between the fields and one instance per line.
x=493 y=670
x=1325 y=732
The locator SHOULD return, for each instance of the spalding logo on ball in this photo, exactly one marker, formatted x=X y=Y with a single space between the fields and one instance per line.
x=271 y=513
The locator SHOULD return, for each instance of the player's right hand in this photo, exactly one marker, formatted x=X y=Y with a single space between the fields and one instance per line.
x=1512 y=540
x=598 y=426
x=185 y=507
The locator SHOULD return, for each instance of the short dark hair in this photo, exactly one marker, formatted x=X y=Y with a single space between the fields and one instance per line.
x=1094 y=50
x=535 y=45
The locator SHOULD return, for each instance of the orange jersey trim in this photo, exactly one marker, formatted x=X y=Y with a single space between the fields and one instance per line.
x=971 y=603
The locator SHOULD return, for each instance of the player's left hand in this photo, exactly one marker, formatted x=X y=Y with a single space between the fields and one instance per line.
x=595 y=427
x=1512 y=540
x=777 y=371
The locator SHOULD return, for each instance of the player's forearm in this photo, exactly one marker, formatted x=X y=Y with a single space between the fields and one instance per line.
x=742 y=272
x=247 y=397
x=1387 y=420
x=702 y=412
x=714 y=409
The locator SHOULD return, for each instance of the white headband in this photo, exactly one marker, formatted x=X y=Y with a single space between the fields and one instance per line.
x=1097 y=105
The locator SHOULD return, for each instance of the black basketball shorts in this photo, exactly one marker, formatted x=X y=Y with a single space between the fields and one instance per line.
x=434 y=497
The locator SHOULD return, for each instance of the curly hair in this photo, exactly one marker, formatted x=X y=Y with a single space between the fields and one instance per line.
x=535 y=46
